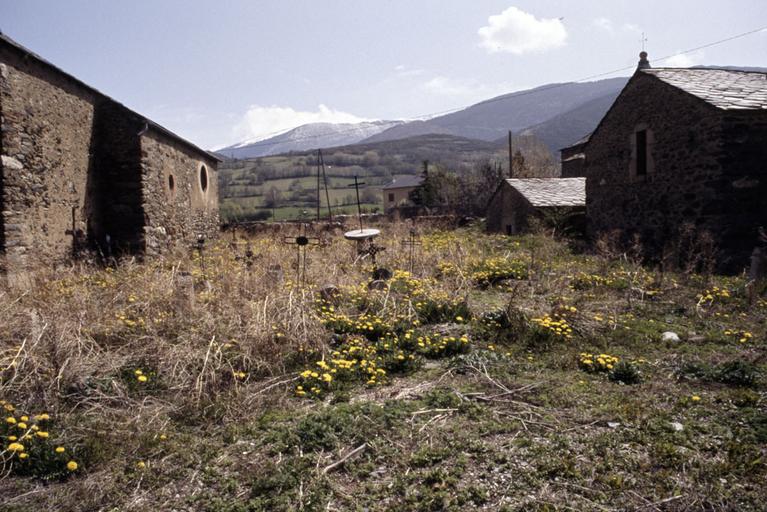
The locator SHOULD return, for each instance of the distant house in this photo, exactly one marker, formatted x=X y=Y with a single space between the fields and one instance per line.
x=397 y=192
x=682 y=150
x=516 y=200
x=573 y=159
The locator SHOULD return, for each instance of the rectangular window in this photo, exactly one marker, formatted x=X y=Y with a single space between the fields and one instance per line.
x=391 y=198
x=641 y=153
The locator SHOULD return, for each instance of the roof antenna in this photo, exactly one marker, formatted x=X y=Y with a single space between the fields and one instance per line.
x=643 y=62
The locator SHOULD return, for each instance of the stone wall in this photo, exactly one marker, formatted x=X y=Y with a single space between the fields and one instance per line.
x=46 y=142
x=79 y=171
x=691 y=170
x=180 y=199
x=508 y=211
x=116 y=216
x=743 y=187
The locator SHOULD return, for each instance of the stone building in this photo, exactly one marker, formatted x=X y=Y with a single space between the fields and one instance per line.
x=516 y=200
x=81 y=170
x=573 y=159
x=682 y=153
x=397 y=193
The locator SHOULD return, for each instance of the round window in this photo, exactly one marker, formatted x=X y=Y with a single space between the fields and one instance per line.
x=204 y=178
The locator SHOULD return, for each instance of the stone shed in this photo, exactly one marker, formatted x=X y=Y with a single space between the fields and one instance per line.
x=681 y=159
x=79 y=170
x=562 y=200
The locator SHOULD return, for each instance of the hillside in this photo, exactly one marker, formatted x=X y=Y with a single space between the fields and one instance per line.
x=565 y=129
x=493 y=118
x=285 y=185
x=313 y=135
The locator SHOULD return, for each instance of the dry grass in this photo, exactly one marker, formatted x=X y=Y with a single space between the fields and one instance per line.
x=217 y=414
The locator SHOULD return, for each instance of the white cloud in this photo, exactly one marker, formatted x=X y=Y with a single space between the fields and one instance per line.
x=605 y=24
x=685 y=60
x=516 y=31
x=261 y=122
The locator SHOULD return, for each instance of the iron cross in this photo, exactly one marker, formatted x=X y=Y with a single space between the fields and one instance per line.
x=356 y=186
x=411 y=242
x=301 y=241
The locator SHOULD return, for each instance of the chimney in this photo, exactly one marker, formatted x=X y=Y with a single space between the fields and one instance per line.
x=643 y=62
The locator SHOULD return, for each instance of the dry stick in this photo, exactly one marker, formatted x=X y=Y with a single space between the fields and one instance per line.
x=427 y=411
x=661 y=502
x=267 y=388
x=198 y=384
x=343 y=459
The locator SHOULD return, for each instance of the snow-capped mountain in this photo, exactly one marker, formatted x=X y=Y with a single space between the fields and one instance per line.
x=308 y=136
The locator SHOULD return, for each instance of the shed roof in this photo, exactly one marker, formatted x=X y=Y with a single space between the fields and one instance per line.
x=723 y=88
x=404 y=182
x=580 y=142
x=150 y=124
x=543 y=192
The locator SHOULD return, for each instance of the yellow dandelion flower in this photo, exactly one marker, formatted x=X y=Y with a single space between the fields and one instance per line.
x=142 y=378
x=16 y=447
x=59 y=449
x=72 y=465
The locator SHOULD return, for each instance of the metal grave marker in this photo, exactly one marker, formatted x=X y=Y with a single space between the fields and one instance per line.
x=301 y=241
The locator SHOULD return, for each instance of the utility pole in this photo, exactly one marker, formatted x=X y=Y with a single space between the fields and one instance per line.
x=319 y=156
x=511 y=167
x=325 y=182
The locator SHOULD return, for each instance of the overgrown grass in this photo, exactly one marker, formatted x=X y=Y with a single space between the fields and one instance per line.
x=462 y=385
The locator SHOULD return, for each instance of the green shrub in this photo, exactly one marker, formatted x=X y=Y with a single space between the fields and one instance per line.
x=625 y=373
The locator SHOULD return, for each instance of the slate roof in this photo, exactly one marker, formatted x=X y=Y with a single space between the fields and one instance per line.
x=543 y=192
x=404 y=182
x=722 y=88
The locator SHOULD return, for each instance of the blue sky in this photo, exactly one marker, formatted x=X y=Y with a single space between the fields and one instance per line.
x=221 y=72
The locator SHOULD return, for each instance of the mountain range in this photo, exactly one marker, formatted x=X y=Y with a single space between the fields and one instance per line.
x=557 y=114
x=307 y=136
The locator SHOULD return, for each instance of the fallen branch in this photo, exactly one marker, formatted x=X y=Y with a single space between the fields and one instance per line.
x=343 y=459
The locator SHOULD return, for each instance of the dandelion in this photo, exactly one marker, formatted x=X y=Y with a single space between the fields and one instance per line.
x=16 y=447
x=138 y=372
x=23 y=456
x=59 y=449
x=141 y=464
x=72 y=465
x=42 y=435
x=695 y=398
x=142 y=378
x=21 y=425
x=10 y=420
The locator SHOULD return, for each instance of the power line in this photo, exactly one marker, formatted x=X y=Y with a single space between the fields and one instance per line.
x=523 y=93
